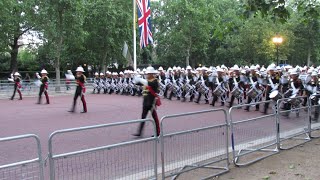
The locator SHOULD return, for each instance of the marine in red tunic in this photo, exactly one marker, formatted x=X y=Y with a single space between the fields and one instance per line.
x=151 y=87
x=17 y=86
x=44 y=86
x=80 y=90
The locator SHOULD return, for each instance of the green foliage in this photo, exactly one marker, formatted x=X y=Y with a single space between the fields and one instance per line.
x=208 y=32
x=27 y=60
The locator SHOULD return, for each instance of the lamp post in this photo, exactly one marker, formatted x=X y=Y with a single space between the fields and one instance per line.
x=277 y=41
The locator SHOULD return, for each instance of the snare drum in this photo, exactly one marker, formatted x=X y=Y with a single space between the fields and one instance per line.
x=236 y=92
x=253 y=93
x=275 y=95
x=295 y=102
x=219 y=91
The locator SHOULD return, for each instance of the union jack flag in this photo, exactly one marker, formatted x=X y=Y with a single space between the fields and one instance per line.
x=144 y=18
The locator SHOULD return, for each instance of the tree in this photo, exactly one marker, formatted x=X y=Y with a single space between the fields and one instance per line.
x=105 y=39
x=182 y=31
x=62 y=22
x=17 y=18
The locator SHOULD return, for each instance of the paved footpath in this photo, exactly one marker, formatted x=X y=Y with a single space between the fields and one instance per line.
x=24 y=117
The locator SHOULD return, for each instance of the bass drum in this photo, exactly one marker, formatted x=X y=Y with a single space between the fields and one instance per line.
x=275 y=95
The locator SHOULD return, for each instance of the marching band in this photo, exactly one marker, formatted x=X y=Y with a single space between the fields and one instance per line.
x=246 y=85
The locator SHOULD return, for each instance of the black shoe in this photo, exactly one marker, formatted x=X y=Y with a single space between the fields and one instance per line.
x=72 y=111
x=222 y=104
x=246 y=109
x=207 y=102
x=137 y=134
x=197 y=102
x=212 y=104
x=83 y=112
x=178 y=99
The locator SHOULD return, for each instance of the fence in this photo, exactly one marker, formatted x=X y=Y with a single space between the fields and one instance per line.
x=251 y=137
x=24 y=168
x=186 y=150
x=131 y=159
x=32 y=88
x=294 y=122
x=314 y=116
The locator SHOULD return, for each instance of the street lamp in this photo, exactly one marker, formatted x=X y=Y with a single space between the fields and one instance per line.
x=277 y=41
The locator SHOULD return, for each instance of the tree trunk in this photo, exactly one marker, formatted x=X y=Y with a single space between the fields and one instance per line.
x=57 y=65
x=14 y=57
x=14 y=54
x=104 y=61
x=59 y=47
x=188 y=54
x=309 y=56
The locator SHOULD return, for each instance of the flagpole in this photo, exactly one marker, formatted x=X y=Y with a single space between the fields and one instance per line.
x=134 y=35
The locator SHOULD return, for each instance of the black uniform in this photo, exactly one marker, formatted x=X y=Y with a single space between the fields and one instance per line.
x=254 y=79
x=314 y=102
x=275 y=79
x=205 y=79
x=176 y=78
x=79 y=92
x=149 y=105
x=44 y=89
x=298 y=85
x=215 y=97
x=191 y=82
x=232 y=85
x=96 y=81
x=170 y=78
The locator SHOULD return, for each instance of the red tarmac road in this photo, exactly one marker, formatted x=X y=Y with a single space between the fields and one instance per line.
x=25 y=117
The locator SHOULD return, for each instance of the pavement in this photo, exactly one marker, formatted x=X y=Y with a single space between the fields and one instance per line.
x=25 y=117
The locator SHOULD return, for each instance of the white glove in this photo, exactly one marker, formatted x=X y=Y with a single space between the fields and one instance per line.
x=137 y=80
x=37 y=74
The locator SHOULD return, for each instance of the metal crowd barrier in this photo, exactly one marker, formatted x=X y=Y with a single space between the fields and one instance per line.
x=24 y=169
x=315 y=124
x=32 y=89
x=203 y=147
x=294 y=124
x=132 y=159
x=253 y=138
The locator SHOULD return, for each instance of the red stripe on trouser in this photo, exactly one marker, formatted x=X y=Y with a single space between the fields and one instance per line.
x=84 y=103
x=156 y=120
x=19 y=93
x=47 y=96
